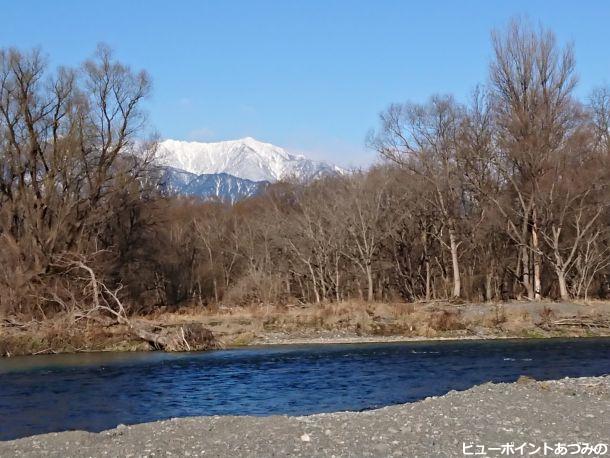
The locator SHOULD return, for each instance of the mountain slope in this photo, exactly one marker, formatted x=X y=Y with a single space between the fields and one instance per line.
x=221 y=186
x=246 y=158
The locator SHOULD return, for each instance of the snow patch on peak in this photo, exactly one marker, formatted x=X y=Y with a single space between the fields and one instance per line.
x=245 y=158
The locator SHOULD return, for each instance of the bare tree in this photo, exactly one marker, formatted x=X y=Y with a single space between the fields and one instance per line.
x=67 y=145
x=424 y=139
x=532 y=81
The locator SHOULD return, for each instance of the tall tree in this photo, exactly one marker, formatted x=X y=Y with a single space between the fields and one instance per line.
x=532 y=80
x=424 y=140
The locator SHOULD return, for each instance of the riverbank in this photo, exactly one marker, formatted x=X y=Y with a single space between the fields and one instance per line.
x=347 y=322
x=566 y=411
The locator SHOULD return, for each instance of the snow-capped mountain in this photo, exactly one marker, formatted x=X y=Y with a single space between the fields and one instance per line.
x=221 y=186
x=246 y=158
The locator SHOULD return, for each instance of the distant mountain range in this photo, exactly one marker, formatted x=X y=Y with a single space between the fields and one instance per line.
x=233 y=170
x=221 y=186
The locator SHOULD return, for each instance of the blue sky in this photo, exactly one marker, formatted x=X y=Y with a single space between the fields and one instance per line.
x=308 y=75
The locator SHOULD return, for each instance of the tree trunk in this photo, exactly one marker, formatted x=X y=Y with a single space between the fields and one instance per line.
x=428 y=278
x=322 y=283
x=337 y=278
x=457 y=284
x=427 y=264
x=360 y=292
x=525 y=262
x=563 y=289
x=516 y=279
x=488 y=288
x=314 y=283
x=537 y=260
x=302 y=288
x=369 y=278
x=489 y=277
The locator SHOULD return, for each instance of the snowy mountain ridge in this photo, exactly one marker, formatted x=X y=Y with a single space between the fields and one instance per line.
x=246 y=158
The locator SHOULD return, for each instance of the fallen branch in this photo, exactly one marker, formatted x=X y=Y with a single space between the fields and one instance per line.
x=184 y=337
x=582 y=322
x=9 y=322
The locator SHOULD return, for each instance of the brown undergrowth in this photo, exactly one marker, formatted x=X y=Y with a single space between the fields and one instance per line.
x=245 y=325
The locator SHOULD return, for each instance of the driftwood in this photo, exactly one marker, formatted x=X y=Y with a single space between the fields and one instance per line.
x=107 y=309
x=183 y=337
x=584 y=322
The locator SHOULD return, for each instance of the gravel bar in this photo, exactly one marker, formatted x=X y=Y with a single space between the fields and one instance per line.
x=566 y=413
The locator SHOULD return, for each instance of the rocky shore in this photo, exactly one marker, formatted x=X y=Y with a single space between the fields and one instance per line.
x=526 y=417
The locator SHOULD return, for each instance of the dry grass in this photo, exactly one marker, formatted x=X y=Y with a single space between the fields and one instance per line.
x=446 y=320
x=240 y=325
x=243 y=325
x=236 y=324
x=497 y=317
x=63 y=335
x=546 y=315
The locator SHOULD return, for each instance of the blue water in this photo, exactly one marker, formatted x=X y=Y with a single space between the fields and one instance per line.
x=93 y=392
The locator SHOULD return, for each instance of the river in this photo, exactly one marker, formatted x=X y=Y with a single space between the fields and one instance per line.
x=97 y=391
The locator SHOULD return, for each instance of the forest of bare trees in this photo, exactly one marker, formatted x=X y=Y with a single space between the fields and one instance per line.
x=502 y=197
